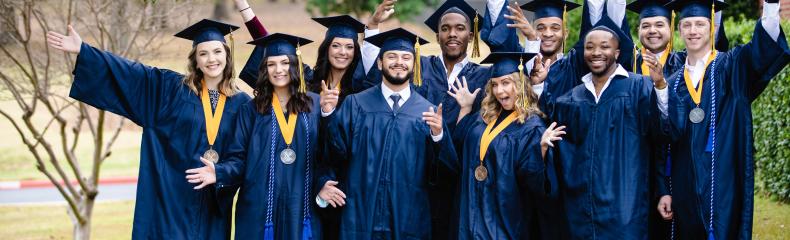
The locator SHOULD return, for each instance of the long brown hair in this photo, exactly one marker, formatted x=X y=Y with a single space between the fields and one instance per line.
x=323 y=68
x=264 y=90
x=194 y=77
x=491 y=108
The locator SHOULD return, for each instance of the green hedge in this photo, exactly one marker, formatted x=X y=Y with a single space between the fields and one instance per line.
x=770 y=112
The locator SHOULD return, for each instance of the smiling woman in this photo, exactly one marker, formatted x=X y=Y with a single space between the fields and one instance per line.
x=183 y=117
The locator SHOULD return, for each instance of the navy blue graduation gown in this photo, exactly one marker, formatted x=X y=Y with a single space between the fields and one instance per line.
x=740 y=76
x=245 y=167
x=604 y=159
x=174 y=138
x=434 y=88
x=388 y=157
x=498 y=36
x=659 y=228
x=503 y=205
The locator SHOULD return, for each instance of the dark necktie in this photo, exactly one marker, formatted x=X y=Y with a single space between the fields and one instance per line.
x=395 y=99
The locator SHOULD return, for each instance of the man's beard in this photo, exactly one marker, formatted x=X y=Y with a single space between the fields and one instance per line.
x=396 y=80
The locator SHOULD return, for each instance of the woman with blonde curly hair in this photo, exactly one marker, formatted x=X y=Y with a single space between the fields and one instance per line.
x=503 y=153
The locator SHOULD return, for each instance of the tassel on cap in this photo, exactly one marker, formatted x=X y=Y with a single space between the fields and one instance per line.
x=302 y=86
x=524 y=80
x=476 y=42
x=671 y=44
x=564 y=28
x=713 y=26
x=417 y=66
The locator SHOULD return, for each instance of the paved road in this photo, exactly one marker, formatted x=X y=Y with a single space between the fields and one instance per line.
x=51 y=195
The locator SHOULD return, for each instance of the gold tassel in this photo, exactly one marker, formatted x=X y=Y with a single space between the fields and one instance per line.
x=636 y=50
x=713 y=26
x=302 y=87
x=564 y=32
x=523 y=80
x=232 y=49
x=417 y=66
x=476 y=43
x=671 y=44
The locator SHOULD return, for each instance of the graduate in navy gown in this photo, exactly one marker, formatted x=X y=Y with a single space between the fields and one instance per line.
x=504 y=156
x=339 y=61
x=273 y=156
x=603 y=161
x=183 y=118
x=388 y=136
x=565 y=71
x=717 y=90
x=456 y=25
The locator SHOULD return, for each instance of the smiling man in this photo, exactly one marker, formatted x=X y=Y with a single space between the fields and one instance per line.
x=454 y=25
x=603 y=160
x=389 y=138
x=712 y=170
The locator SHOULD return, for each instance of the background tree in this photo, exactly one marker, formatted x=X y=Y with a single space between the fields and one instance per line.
x=405 y=9
x=37 y=78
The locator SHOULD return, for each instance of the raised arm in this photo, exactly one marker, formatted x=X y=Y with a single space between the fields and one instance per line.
x=495 y=31
x=110 y=82
x=254 y=26
x=755 y=63
x=370 y=52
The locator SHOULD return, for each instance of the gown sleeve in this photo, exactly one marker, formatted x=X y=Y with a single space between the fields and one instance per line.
x=339 y=130
x=443 y=151
x=230 y=169
x=498 y=36
x=256 y=29
x=536 y=174
x=135 y=91
x=755 y=63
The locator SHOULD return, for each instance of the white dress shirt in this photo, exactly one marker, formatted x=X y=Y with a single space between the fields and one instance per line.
x=451 y=76
x=661 y=94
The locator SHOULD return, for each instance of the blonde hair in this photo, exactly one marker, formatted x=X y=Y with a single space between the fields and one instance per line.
x=194 y=77
x=524 y=108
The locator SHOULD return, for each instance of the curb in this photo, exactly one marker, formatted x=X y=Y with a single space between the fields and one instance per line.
x=15 y=185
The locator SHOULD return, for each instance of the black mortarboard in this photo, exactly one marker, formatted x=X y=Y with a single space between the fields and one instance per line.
x=695 y=8
x=343 y=26
x=206 y=30
x=280 y=44
x=549 y=8
x=505 y=63
x=650 y=8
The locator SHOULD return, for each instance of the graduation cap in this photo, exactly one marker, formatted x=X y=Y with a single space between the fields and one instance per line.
x=206 y=30
x=700 y=8
x=505 y=63
x=343 y=26
x=459 y=7
x=400 y=39
x=278 y=44
x=650 y=8
x=551 y=8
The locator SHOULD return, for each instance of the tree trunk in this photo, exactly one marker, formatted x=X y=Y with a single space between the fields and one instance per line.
x=220 y=10
x=82 y=230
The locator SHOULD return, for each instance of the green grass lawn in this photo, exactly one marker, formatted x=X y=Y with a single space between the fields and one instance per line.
x=113 y=220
